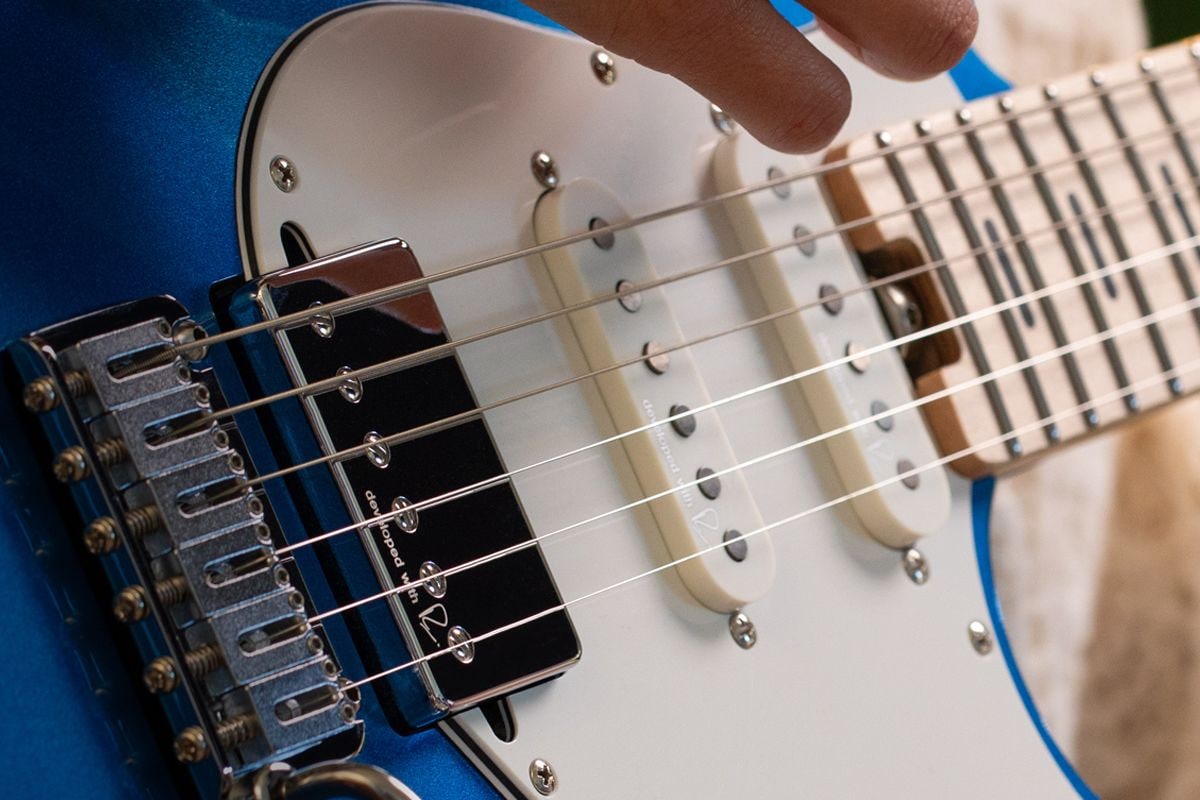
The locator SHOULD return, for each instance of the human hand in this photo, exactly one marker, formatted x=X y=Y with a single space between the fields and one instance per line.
x=745 y=57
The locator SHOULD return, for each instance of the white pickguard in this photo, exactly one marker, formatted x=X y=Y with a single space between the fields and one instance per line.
x=419 y=121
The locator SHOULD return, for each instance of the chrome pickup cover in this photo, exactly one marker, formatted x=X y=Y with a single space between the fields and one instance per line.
x=261 y=679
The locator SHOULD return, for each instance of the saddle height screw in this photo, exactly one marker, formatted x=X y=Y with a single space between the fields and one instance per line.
x=915 y=566
x=161 y=675
x=604 y=67
x=544 y=169
x=981 y=637
x=742 y=630
x=283 y=173
x=543 y=777
x=131 y=604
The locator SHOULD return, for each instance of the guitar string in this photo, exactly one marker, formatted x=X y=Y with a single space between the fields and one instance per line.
x=1051 y=355
x=950 y=324
x=949 y=391
x=409 y=434
x=473 y=640
x=393 y=365
x=406 y=288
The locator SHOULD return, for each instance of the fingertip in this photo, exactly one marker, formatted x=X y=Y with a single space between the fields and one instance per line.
x=811 y=124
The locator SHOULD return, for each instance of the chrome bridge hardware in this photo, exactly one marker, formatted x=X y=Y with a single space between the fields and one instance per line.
x=191 y=549
x=393 y=469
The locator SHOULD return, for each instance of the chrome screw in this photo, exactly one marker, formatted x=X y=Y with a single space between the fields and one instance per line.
x=981 y=637
x=41 y=396
x=544 y=169
x=71 y=465
x=915 y=566
x=283 y=173
x=604 y=67
x=725 y=123
x=131 y=604
x=543 y=777
x=742 y=630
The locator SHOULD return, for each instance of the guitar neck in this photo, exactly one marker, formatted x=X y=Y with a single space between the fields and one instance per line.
x=1058 y=226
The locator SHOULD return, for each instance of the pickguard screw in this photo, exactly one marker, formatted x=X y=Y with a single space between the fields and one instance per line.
x=721 y=119
x=283 y=173
x=131 y=605
x=543 y=777
x=742 y=630
x=71 y=465
x=915 y=566
x=161 y=675
x=191 y=746
x=981 y=637
x=604 y=67
x=544 y=169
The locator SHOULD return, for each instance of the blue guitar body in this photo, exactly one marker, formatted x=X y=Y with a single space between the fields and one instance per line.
x=117 y=161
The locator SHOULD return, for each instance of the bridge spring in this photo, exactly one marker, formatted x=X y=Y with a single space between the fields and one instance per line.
x=203 y=660
x=42 y=395
x=236 y=730
x=171 y=591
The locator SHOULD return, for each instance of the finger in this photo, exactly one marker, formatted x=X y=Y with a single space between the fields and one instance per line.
x=907 y=39
x=740 y=54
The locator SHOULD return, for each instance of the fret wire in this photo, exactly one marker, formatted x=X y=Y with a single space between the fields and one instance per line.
x=1099 y=319
x=1100 y=198
x=1040 y=295
x=933 y=330
x=984 y=262
x=1168 y=115
x=1089 y=239
x=1180 y=206
x=1029 y=261
x=833 y=503
x=950 y=286
x=1006 y=267
x=408 y=288
x=1143 y=179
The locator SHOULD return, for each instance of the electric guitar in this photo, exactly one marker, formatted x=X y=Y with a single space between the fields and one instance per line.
x=443 y=407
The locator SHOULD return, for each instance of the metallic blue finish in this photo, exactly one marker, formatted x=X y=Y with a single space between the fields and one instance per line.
x=117 y=159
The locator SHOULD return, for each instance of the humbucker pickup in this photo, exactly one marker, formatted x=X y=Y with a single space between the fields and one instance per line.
x=187 y=544
x=426 y=440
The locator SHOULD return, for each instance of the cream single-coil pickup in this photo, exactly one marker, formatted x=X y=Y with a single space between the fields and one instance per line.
x=868 y=453
x=665 y=458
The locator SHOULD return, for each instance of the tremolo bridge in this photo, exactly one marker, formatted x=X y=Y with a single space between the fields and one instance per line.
x=203 y=522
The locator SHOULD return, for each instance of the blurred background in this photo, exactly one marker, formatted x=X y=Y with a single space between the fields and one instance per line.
x=1097 y=549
